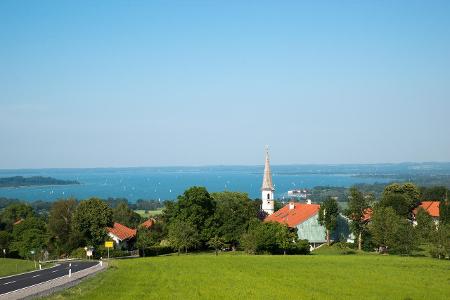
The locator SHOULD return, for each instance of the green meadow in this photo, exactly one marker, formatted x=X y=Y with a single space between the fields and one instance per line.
x=148 y=213
x=9 y=266
x=228 y=276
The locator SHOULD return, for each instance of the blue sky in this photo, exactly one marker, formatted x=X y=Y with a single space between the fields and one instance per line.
x=151 y=83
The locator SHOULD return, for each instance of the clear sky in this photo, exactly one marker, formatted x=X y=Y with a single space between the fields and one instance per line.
x=154 y=83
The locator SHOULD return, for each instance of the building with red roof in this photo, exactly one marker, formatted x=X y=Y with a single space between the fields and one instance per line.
x=305 y=217
x=121 y=234
x=431 y=207
x=148 y=224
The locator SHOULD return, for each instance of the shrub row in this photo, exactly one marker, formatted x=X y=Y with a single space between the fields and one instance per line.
x=155 y=251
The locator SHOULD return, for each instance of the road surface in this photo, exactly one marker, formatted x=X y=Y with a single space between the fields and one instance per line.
x=20 y=281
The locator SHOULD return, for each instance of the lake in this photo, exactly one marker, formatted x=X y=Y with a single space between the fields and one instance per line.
x=168 y=182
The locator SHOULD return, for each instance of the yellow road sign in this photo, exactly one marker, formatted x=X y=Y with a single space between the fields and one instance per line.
x=109 y=244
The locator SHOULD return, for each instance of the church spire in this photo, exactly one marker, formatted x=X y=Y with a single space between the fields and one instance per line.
x=267 y=184
x=267 y=202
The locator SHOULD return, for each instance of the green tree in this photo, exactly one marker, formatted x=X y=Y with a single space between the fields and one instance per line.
x=91 y=218
x=441 y=242
x=269 y=237
x=357 y=208
x=15 y=212
x=328 y=215
x=144 y=239
x=382 y=223
x=124 y=215
x=5 y=239
x=402 y=198
x=29 y=235
x=216 y=243
x=433 y=193
x=60 y=225
x=196 y=207
x=444 y=211
x=392 y=231
x=425 y=225
x=233 y=213
x=183 y=235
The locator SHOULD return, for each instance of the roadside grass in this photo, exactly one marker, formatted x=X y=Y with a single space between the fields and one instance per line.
x=11 y=266
x=207 y=276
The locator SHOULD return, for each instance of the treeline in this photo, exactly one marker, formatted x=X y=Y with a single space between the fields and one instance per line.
x=43 y=207
x=396 y=224
x=198 y=220
x=342 y=194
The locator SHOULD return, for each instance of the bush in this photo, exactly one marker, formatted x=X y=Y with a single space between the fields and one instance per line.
x=103 y=252
x=300 y=247
x=155 y=251
x=78 y=253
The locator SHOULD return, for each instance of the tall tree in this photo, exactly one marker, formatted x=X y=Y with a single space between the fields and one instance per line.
x=183 y=235
x=403 y=198
x=60 y=225
x=29 y=235
x=425 y=225
x=196 y=207
x=444 y=210
x=91 y=218
x=232 y=215
x=328 y=215
x=124 y=215
x=15 y=212
x=357 y=208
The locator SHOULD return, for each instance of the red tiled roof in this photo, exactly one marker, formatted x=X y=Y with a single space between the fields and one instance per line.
x=122 y=231
x=149 y=223
x=431 y=207
x=292 y=217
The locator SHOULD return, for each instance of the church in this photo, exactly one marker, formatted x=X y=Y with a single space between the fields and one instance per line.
x=303 y=216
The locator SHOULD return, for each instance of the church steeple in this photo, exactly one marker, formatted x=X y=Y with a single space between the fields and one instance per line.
x=267 y=189
x=267 y=184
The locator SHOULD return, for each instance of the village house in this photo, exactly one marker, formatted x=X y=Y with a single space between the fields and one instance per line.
x=431 y=207
x=125 y=237
x=122 y=235
x=303 y=216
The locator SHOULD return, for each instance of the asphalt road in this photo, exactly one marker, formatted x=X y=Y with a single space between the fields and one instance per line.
x=17 y=282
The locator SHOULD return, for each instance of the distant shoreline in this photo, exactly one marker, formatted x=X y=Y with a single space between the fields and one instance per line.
x=33 y=181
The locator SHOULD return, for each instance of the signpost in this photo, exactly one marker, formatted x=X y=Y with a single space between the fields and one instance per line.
x=109 y=244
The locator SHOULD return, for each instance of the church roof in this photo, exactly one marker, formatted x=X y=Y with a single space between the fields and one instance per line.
x=267 y=180
x=298 y=214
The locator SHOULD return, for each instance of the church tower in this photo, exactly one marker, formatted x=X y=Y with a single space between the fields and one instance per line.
x=267 y=188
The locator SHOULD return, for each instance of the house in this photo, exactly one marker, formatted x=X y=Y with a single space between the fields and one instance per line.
x=123 y=236
x=148 y=224
x=431 y=207
x=305 y=217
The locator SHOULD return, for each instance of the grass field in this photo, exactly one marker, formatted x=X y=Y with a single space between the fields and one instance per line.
x=148 y=213
x=206 y=276
x=9 y=266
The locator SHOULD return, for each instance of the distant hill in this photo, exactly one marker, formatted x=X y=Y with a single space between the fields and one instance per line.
x=18 y=181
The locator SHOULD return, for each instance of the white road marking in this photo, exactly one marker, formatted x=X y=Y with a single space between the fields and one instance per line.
x=36 y=276
x=55 y=271
x=9 y=282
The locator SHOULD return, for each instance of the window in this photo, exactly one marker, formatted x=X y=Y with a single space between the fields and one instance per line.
x=268 y=196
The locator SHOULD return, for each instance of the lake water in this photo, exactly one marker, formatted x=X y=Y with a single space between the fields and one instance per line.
x=169 y=182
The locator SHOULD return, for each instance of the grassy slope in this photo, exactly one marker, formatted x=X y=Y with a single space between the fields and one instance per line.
x=269 y=277
x=148 y=213
x=9 y=266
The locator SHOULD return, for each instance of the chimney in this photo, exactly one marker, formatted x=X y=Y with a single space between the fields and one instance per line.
x=291 y=205
x=308 y=201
